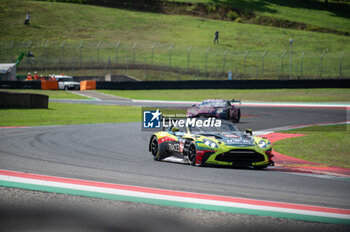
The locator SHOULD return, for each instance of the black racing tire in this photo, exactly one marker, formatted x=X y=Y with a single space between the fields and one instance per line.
x=192 y=153
x=155 y=149
x=261 y=167
x=236 y=120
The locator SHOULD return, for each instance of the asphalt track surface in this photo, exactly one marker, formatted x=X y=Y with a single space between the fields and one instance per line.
x=118 y=153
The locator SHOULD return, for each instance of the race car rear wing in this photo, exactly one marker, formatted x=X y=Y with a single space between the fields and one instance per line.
x=233 y=101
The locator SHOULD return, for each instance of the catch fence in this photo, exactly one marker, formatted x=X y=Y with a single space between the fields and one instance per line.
x=157 y=61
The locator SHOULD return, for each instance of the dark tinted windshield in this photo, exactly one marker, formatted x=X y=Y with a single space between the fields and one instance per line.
x=65 y=79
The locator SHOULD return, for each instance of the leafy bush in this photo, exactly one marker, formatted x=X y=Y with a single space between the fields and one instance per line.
x=211 y=8
x=232 y=15
x=238 y=20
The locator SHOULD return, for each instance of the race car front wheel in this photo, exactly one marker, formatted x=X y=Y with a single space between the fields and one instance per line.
x=236 y=120
x=260 y=167
x=192 y=154
x=155 y=149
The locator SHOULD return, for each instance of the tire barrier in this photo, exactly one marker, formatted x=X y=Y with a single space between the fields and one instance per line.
x=225 y=84
x=23 y=100
x=20 y=84
x=87 y=85
x=49 y=85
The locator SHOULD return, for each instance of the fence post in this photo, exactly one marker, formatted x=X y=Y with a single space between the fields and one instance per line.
x=98 y=51
x=45 y=54
x=301 y=65
x=262 y=68
x=189 y=57
x=116 y=51
x=245 y=56
x=154 y=45
x=340 y=65
x=290 y=58
x=11 y=50
x=206 y=58
x=170 y=48
x=59 y=64
x=12 y=44
x=224 y=63
x=63 y=45
x=29 y=46
x=282 y=56
x=133 y=52
x=321 y=62
x=80 y=53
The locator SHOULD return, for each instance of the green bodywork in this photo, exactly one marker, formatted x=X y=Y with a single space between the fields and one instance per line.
x=221 y=148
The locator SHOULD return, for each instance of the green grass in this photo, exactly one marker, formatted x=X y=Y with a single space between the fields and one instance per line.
x=73 y=22
x=327 y=144
x=334 y=16
x=64 y=114
x=284 y=95
x=59 y=22
x=53 y=94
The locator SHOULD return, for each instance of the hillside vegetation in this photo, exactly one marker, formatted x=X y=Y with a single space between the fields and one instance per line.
x=67 y=21
x=309 y=15
x=314 y=14
x=57 y=24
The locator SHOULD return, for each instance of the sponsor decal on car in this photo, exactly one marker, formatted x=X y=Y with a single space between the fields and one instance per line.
x=231 y=136
x=239 y=141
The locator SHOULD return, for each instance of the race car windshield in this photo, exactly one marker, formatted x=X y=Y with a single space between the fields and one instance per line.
x=225 y=127
x=213 y=103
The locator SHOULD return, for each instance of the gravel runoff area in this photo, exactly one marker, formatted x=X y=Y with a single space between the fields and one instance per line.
x=26 y=209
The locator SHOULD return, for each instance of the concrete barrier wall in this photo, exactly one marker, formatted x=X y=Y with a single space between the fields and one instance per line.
x=23 y=100
x=226 y=84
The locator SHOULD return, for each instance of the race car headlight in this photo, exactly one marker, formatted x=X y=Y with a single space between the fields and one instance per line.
x=219 y=111
x=262 y=144
x=210 y=143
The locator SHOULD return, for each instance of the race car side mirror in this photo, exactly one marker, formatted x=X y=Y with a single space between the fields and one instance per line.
x=249 y=131
x=174 y=129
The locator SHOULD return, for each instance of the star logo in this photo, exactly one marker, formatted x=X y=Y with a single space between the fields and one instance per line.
x=156 y=115
x=151 y=119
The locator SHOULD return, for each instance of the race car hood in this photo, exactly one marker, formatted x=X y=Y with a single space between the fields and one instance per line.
x=232 y=139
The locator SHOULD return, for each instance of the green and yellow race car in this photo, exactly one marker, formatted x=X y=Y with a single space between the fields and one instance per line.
x=223 y=145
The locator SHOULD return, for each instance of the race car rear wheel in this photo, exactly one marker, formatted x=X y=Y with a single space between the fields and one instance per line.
x=155 y=148
x=192 y=153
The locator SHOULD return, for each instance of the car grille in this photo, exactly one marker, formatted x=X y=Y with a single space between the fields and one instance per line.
x=205 y=115
x=241 y=157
